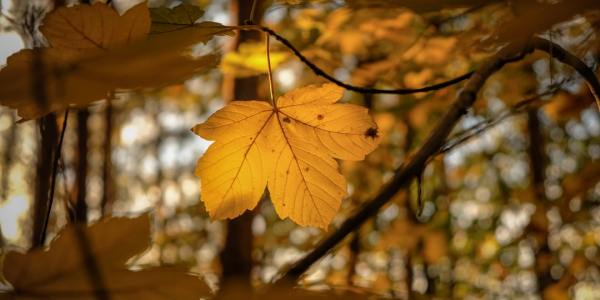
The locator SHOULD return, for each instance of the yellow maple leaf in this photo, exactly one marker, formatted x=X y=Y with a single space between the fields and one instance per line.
x=64 y=270
x=86 y=29
x=290 y=148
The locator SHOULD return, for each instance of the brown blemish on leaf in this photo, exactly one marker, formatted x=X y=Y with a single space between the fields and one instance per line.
x=372 y=132
x=320 y=117
x=287 y=120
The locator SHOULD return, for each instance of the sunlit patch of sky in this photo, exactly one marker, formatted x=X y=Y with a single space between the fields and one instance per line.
x=123 y=5
x=10 y=42
x=286 y=76
x=11 y=212
x=216 y=11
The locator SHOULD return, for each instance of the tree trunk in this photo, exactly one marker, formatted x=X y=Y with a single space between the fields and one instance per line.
x=538 y=229
x=8 y=159
x=236 y=256
x=108 y=187
x=80 y=206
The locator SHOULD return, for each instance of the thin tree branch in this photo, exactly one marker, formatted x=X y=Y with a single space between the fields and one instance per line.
x=436 y=141
x=412 y=168
x=481 y=127
x=566 y=57
x=57 y=153
x=363 y=90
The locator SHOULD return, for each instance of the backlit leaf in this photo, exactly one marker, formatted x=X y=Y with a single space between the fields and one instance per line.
x=181 y=16
x=290 y=148
x=88 y=64
x=85 y=29
x=62 y=271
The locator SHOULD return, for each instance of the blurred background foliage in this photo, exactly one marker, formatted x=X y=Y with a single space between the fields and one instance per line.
x=510 y=212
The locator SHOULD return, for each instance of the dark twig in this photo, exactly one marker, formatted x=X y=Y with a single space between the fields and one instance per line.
x=412 y=168
x=358 y=89
x=566 y=57
x=481 y=127
x=55 y=162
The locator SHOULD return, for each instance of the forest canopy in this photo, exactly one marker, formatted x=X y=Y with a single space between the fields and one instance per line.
x=234 y=149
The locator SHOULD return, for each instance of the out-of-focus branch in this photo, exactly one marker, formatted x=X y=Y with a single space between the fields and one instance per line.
x=539 y=230
x=412 y=168
x=520 y=107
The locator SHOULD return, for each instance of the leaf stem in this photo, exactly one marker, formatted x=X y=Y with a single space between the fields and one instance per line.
x=252 y=11
x=270 y=72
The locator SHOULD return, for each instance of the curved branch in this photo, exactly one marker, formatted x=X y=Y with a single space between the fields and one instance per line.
x=566 y=57
x=359 y=89
x=413 y=168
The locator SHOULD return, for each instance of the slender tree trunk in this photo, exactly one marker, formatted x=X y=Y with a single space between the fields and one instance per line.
x=108 y=192
x=80 y=205
x=355 y=246
x=236 y=256
x=8 y=159
x=539 y=230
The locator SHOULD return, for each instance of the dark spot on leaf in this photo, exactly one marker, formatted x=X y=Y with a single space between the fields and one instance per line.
x=306 y=169
x=320 y=117
x=251 y=138
x=287 y=120
x=372 y=132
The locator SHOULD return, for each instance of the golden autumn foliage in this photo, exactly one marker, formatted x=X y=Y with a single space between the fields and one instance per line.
x=99 y=53
x=290 y=148
x=418 y=149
